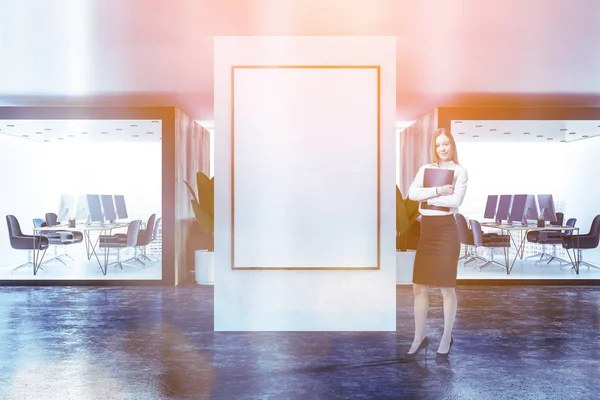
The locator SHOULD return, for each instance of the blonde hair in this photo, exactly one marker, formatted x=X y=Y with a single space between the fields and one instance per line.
x=439 y=132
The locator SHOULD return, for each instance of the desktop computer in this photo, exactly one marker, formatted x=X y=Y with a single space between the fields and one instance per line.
x=531 y=209
x=66 y=208
x=490 y=207
x=108 y=207
x=546 y=204
x=121 y=209
x=95 y=209
x=503 y=208
x=517 y=210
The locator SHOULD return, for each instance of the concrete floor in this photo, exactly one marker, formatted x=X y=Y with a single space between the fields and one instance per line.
x=158 y=343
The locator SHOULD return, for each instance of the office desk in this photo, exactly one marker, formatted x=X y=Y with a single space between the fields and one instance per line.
x=522 y=230
x=90 y=244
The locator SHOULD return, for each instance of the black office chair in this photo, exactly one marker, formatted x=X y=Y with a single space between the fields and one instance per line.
x=586 y=241
x=119 y=243
x=465 y=236
x=491 y=241
x=534 y=237
x=552 y=238
x=55 y=239
x=52 y=220
x=144 y=238
x=20 y=241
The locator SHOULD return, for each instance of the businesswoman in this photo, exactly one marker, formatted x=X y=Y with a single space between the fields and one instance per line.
x=436 y=259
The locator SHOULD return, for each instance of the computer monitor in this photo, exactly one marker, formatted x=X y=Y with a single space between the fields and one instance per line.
x=66 y=208
x=503 y=207
x=82 y=210
x=490 y=206
x=531 y=209
x=120 y=205
x=517 y=209
x=108 y=207
x=95 y=208
x=546 y=204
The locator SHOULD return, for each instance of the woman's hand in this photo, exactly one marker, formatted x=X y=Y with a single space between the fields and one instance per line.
x=445 y=190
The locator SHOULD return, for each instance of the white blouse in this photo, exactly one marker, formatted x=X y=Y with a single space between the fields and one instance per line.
x=418 y=193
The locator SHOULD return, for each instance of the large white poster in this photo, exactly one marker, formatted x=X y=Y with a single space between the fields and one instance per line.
x=305 y=167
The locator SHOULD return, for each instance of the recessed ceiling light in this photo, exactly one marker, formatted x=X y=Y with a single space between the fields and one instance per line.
x=458 y=122
x=572 y=133
x=10 y=126
x=135 y=135
x=24 y=135
x=478 y=126
x=585 y=136
x=46 y=140
x=540 y=135
x=38 y=133
x=549 y=138
x=493 y=130
x=475 y=135
x=60 y=138
x=104 y=133
x=526 y=133
x=133 y=126
x=507 y=133
x=84 y=133
x=71 y=136
x=563 y=141
x=563 y=130
x=47 y=129
x=152 y=133
x=119 y=129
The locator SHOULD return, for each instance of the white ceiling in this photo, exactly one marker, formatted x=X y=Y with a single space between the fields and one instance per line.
x=449 y=52
x=523 y=131
x=78 y=131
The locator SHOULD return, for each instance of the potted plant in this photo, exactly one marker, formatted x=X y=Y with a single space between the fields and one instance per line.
x=203 y=206
x=407 y=212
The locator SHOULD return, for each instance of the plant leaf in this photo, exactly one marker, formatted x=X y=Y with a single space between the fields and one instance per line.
x=205 y=193
x=204 y=220
x=191 y=190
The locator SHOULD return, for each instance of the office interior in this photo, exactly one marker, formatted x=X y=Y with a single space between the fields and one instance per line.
x=104 y=177
x=527 y=167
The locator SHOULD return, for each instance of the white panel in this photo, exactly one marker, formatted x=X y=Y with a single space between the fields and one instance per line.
x=305 y=174
x=300 y=300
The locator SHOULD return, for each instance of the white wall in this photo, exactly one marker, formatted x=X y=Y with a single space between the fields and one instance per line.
x=36 y=174
x=319 y=299
x=512 y=168
x=582 y=182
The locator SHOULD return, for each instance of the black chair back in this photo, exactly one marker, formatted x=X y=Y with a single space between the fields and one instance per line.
x=465 y=236
x=51 y=219
x=146 y=234
x=477 y=235
x=132 y=232
x=19 y=241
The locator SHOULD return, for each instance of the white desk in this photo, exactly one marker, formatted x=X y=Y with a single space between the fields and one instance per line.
x=90 y=245
x=522 y=230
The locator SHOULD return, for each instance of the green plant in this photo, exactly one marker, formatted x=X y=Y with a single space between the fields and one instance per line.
x=407 y=212
x=204 y=205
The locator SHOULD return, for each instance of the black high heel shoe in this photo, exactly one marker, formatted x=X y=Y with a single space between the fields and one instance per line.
x=443 y=355
x=424 y=344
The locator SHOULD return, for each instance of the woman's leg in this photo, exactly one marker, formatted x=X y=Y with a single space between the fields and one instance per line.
x=450 y=306
x=421 y=307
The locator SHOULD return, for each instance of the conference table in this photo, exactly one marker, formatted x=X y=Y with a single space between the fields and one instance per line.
x=89 y=234
x=518 y=238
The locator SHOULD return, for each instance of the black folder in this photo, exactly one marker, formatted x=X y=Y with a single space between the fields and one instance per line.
x=435 y=177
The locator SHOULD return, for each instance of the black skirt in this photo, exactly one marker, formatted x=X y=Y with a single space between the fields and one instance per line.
x=436 y=261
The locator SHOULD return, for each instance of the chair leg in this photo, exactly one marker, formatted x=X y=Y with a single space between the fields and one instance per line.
x=491 y=261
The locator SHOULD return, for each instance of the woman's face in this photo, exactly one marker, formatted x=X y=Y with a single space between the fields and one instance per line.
x=443 y=148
